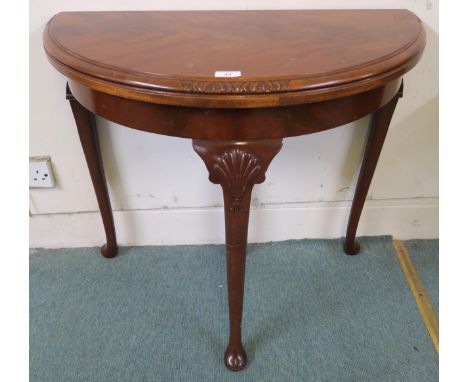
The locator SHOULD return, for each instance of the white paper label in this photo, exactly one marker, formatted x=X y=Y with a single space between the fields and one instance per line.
x=228 y=73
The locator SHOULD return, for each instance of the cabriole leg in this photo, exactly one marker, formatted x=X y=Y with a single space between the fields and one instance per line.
x=236 y=166
x=86 y=125
x=377 y=133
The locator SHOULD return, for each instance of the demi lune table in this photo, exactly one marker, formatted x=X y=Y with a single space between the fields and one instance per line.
x=236 y=83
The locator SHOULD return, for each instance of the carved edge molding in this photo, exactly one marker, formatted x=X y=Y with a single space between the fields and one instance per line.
x=235 y=87
x=236 y=170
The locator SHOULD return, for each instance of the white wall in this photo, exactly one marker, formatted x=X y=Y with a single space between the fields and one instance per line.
x=159 y=187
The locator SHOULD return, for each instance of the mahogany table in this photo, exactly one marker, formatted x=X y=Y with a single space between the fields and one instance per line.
x=236 y=83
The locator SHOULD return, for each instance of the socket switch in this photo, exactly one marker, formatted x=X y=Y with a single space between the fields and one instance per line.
x=40 y=172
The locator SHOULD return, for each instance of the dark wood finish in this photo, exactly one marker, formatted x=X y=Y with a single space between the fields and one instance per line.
x=86 y=125
x=236 y=166
x=234 y=124
x=285 y=57
x=378 y=131
x=302 y=72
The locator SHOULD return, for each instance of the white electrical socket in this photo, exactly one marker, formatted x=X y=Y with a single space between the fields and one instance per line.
x=40 y=172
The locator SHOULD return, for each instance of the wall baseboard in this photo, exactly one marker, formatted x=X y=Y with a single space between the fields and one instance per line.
x=401 y=218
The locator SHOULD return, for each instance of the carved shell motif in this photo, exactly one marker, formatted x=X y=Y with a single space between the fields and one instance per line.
x=237 y=170
x=235 y=87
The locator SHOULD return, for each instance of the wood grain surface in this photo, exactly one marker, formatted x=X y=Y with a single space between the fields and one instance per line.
x=285 y=57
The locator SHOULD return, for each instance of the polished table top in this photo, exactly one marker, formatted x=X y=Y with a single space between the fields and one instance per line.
x=284 y=57
x=236 y=83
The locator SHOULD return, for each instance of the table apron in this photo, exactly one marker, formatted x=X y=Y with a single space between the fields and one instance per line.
x=234 y=124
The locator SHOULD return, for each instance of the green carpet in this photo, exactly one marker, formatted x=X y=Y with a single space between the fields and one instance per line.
x=311 y=313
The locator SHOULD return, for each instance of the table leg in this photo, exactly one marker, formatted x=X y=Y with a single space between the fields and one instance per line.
x=236 y=166
x=86 y=125
x=377 y=133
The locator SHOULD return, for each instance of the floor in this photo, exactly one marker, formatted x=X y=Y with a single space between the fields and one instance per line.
x=311 y=313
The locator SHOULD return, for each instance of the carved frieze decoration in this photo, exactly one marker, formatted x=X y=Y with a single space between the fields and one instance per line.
x=235 y=87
